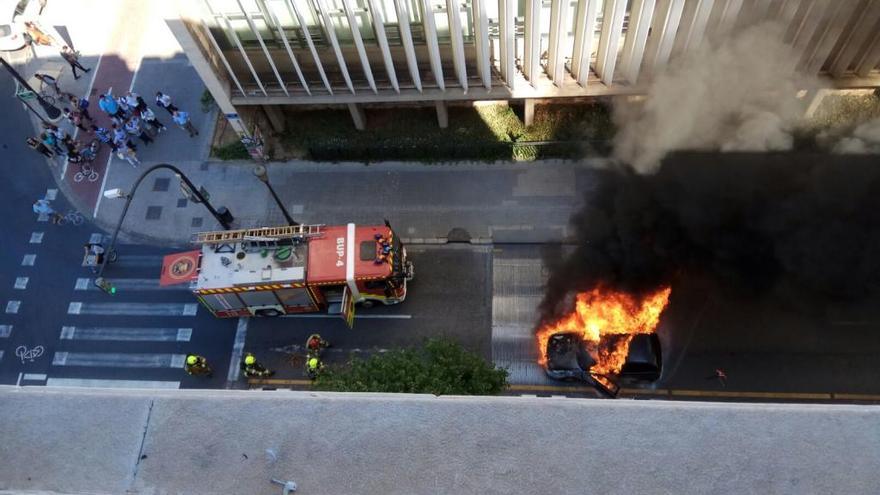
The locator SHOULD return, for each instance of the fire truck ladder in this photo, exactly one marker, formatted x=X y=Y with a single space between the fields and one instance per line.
x=263 y=233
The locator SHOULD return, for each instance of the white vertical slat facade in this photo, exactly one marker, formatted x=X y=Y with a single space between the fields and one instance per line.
x=558 y=39
x=532 y=42
x=667 y=16
x=612 y=24
x=453 y=15
x=330 y=31
x=291 y=9
x=640 y=17
x=481 y=41
x=507 y=31
x=585 y=27
x=402 y=9
x=348 y=7
x=379 y=28
x=433 y=45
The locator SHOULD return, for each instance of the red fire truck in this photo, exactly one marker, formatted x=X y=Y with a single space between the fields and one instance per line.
x=272 y=271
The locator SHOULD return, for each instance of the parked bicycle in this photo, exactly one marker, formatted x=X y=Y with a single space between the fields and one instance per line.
x=83 y=158
x=25 y=94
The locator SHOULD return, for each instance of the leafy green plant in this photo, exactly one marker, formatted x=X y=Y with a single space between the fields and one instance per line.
x=440 y=367
x=232 y=151
x=207 y=101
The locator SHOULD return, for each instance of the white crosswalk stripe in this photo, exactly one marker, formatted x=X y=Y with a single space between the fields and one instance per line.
x=118 y=360
x=91 y=382
x=132 y=308
x=130 y=284
x=139 y=334
x=5 y=331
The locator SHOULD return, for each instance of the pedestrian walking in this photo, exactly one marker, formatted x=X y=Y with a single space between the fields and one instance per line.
x=50 y=142
x=72 y=58
x=164 y=101
x=128 y=152
x=103 y=134
x=82 y=105
x=110 y=107
x=76 y=118
x=36 y=145
x=47 y=80
x=135 y=127
x=149 y=117
x=135 y=101
x=181 y=118
x=44 y=207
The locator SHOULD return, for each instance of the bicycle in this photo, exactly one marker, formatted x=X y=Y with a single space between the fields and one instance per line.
x=73 y=217
x=84 y=158
x=25 y=94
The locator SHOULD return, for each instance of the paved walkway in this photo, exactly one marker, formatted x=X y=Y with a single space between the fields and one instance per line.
x=128 y=441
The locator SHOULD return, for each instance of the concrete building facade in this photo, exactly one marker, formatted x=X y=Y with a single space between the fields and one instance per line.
x=274 y=53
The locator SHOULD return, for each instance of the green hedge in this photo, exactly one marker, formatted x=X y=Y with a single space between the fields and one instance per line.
x=232 y=151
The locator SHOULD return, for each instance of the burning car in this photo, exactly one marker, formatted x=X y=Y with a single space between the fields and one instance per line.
x=609 y=338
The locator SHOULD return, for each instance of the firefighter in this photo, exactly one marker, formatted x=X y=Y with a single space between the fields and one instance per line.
x=313 y=367
x=315 y=344
x=252 y=368
x=197 y=365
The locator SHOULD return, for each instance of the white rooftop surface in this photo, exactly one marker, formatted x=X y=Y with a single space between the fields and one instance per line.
x=252 y=268
x=181 y=441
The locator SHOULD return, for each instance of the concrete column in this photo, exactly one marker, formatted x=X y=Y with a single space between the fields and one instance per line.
x=612 y=27
x=357 y=115
x=637 y=35
x=442 y=114
x=529 y=113
x=275 y=116
x=481 y=42
x=532 y=55
x=559 y=22
x=218 y=88
x=583 y=40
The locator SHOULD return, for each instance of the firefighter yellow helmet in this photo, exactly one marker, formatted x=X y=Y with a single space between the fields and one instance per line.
x=191 y=359
x=250 y=359
x=313 y=363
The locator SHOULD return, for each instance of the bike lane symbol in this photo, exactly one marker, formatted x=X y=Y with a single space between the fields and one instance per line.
x=29 y=354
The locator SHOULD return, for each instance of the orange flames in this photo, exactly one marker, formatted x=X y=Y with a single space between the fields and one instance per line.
x=608 y=319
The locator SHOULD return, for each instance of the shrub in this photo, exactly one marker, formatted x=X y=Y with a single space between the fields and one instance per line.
x=232 y=151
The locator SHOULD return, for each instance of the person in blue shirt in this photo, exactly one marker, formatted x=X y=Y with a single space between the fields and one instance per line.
x=109 y=105
x=181 y=118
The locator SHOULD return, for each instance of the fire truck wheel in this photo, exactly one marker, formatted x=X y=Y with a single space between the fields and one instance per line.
x=368 y=304
x=269 y=312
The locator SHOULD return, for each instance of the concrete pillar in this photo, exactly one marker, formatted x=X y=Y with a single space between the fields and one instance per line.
x=275 y=116
x=529 y=113
x=218 y=88
x=442 y=114
x=357 y=115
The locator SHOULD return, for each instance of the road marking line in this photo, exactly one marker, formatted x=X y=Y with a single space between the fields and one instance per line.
x=132 y=308
x=5 y=331
x=29 y=260
x=375 y=317
x=34 y=376
x=277 y=381
x=12 y=307
x=42 y=217
x=21 y=283
x=118 y=360
x=94 y=383
x=18 y=382
x=51 y=194
x=1 y=355
x=644 y=391
x=549 y=388
x=237 y=350
x=37 y=237
x=126 y=284
x=96 y=238
x=131 y=334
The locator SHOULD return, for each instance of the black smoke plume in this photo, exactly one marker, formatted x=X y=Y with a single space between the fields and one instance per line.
x=747 y=220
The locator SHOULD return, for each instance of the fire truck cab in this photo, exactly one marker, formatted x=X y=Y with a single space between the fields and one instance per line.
x=273 y=271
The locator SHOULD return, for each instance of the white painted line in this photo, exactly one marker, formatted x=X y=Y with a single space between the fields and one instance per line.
x=35 y=376
x=96 y=238
x=18 y=382
x=37 y=237
x=29 y=260
x=42 y=217
x=131 y=334
x=12 y=307
x=129 y=284
x=74 y=308
x=21 y=283
x=237 y=350
x=51 y=194
x=132 y=308
x=5 y=331
x=367 y=317
x=118 y=360
x=1 y=355
x=93 y=383
x=103 y=185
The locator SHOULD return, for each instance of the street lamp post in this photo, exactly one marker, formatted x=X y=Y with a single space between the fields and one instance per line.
x=261 y=173
x=129 y=196
x=51 y=111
